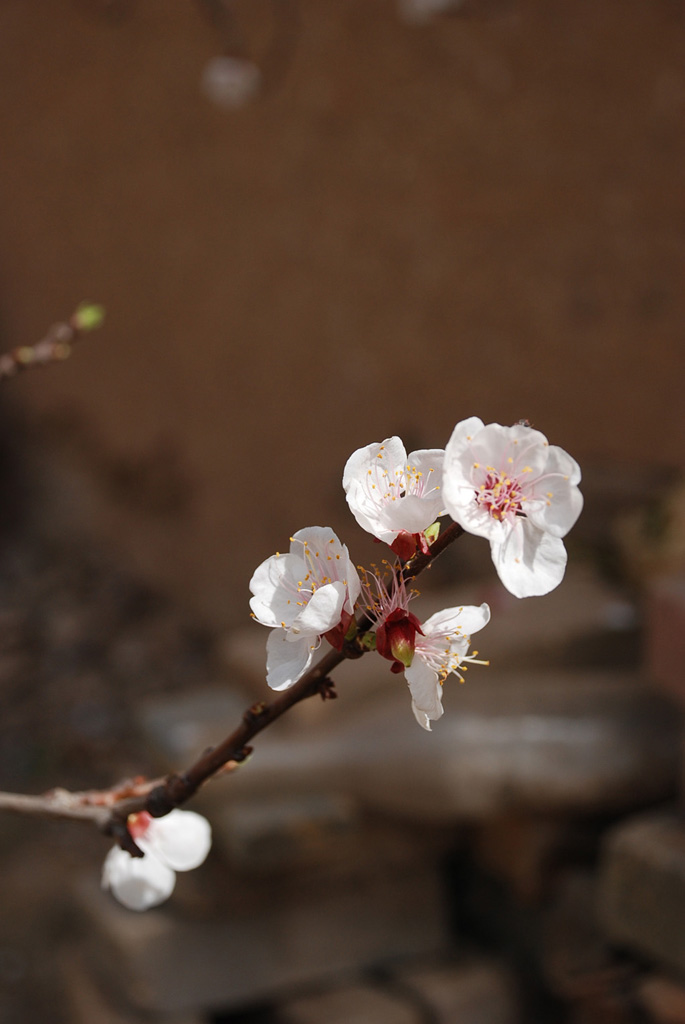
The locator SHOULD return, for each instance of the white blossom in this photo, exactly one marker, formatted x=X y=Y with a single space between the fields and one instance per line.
x=392 y=495
x=427 y=652
x=179 y=841
x=303 y=595
x=510 y=485
x=441 y=648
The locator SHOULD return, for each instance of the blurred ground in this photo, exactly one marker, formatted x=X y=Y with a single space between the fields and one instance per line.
x=83 y=647
x=81 y=644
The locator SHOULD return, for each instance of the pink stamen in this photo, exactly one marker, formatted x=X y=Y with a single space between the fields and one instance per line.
x=381 y=597
x=501 y=496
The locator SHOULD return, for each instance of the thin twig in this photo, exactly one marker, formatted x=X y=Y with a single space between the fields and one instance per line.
x=56 y=804
x=55 y=346
x=421 y=561
x=92 y=805
x=178 y=788
x=109 y=809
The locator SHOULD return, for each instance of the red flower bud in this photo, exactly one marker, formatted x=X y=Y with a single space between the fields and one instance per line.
x=405 y=544
x=396 y=637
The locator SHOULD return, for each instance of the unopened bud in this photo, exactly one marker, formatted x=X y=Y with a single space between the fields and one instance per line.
x=396 y=637
x=404 y=545
x=88 y=317
x=402 y=646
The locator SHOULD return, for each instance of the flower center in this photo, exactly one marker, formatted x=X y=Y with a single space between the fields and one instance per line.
x=392 y=485
x=320 y=569
x=384 y=591
x=386 y=602
x=450 y=658
x=323 y=566
x=501 y=495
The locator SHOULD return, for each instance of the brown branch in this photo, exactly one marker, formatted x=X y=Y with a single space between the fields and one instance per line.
x=109 y=809
x=178 y=788
x=420 y=562
x=55 y=346
x=93 y=805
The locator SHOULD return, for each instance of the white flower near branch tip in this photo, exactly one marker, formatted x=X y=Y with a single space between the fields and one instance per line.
x=442 y=649
x=510 y=485
x=180 y=841
x=392 y=495
x=426 y=652
x=302 y=596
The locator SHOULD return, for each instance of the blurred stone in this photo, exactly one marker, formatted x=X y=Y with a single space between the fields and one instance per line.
x=651 y=537
x=291 y=831
x=357 y=1004
x=558 y=741
x=421 y=11
x=520 y=848
x=642 y=887
x=665 y=635
x=575 y=958
x=477 y=992
x=607 y=1007
x=321 y=837
x=87 y=1003
x=663 y=998
x=182 y=726
x=584 y=621
x=12 y=630
x=265 y=937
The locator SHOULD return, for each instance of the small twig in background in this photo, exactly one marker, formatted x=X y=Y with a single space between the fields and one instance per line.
x=56 y=345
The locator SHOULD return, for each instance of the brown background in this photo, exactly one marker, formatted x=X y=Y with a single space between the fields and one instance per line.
x=481 y=215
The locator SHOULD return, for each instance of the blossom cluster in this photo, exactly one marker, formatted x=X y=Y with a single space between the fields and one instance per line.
x=506 y=484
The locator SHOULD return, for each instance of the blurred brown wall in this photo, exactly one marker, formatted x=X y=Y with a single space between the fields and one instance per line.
x=484 y=214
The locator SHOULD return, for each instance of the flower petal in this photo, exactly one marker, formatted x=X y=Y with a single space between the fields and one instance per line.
x=460 y=503
x=426 y=692
x=530 y=562
x=317 y=537
x=272 y=603
x=466 y=620
x=138 y=883
x=181 y=839
x=322 y=612
x=560 y=501
x=517 y=450
x=286 y=660
x=390 y=452
x=411 y=513
x=463 y=434
x=331 y=556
